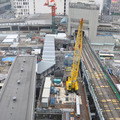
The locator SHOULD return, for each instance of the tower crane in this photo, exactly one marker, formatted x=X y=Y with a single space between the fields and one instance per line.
x=52 y=4
x=72 y=82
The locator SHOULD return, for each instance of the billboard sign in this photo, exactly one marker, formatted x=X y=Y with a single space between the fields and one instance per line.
x=114 y=1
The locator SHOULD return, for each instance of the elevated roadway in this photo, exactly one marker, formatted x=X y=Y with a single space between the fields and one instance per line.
x=104 y=93
x=31 y=23
x=18 y=92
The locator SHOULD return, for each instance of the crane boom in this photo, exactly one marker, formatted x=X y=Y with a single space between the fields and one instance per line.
x=72 y=83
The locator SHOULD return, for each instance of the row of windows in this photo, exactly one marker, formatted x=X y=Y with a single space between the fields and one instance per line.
x=22 y=10
x=21 y=0
x=115 y=8
x=78 y=20
x=22 y=13
x=24 y=7
x=19 y=6
x=115 y=5
x=25 y=3
x=21 y=3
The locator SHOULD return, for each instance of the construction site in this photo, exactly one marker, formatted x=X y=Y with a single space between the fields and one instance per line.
x=60 y=68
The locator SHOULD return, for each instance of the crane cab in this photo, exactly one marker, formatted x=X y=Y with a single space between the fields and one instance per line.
x=68 y=84
x=71 y=86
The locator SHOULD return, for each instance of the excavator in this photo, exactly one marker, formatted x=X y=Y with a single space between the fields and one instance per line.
x=32 y=38
x=72 y=82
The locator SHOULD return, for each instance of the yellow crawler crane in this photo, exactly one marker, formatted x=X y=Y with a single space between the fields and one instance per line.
x=72 y=82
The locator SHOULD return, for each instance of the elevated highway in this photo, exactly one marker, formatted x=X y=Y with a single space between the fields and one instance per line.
x=104 y=92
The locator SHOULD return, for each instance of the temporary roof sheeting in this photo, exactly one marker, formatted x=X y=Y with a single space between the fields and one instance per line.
x=46 y=93
x=14 y=45
x=48 y=57
x=49 y=49
x=36 y=51
x=44 y=65
x=44 y=102
x=47 y=83
x=8 y=41
x=12 y=36
x=49 y=53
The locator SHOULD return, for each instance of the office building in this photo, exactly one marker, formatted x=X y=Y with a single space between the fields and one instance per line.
x=86 y=11
x=23 y=7
x=28 y=7
x=106 y=7
x=115 y=7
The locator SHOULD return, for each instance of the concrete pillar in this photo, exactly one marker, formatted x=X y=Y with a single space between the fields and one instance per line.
x=10 y=28
x=38 y=28
x=28 y=28
x=18 y=28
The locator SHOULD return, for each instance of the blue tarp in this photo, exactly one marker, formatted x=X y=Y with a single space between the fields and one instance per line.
x=10 y=59
x=68 y=61
x=64 y=21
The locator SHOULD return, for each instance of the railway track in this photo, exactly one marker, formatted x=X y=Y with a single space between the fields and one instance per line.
x=106 y=97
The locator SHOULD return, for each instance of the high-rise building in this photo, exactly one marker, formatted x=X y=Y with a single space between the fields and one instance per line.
x=115 y=7
x=26 y=7
x=86 y=11
x=61 y=5
x=106 y=7
x=23 y=7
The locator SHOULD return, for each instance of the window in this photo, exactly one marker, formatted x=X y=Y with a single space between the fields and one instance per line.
x=18 y=6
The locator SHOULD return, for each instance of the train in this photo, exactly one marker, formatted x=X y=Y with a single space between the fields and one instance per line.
x=108 y=56
x=110 y=71
x=77 y=106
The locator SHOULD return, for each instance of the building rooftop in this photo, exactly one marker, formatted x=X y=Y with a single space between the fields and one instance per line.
x=41 y=19
x=48 y=57
x=18 y=92
x=82 y=5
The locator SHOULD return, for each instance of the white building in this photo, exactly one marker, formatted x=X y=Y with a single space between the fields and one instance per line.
x=8 y=41
x=61 y=5
x=23 y=7
x=89 y=13
x=103 y=43
x=26 y=7
x=11 y=39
